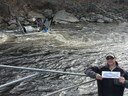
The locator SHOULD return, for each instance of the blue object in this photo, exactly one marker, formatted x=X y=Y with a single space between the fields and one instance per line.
x=45 y=30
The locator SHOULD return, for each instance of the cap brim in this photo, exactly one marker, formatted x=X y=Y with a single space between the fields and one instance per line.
x=110 y=57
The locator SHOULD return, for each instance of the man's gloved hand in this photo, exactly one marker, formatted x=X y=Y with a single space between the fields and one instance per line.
x=122 y=80
x=98 y=77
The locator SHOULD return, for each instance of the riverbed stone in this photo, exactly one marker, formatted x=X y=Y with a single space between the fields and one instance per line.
x=107 y=20
x=99 y=16
x=21 y=19
x=63 y=16
x=12 y=26
x=83 y=19
x=48 y=12
x=26 y=23
x=32 y=14
x=63 y=93
x=100 y=21
x=13 y=21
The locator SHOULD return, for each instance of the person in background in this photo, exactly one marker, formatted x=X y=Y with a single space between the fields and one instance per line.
x=39 y=23
x=43 y=25
x=109 y=86
x=47 y=24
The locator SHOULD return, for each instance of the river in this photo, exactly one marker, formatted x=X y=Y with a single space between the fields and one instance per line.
x=71 y=47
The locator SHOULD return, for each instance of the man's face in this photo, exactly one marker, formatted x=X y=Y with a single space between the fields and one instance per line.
x=111 y=61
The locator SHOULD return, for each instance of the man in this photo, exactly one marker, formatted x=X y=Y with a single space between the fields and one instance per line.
x=109 y=86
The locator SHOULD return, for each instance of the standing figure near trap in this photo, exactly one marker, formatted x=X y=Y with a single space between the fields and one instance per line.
x=43 y=25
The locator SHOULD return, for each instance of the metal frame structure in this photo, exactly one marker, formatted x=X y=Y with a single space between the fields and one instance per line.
x=42 y=71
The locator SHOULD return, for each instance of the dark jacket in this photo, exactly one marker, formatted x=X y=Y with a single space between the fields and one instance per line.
x=108 y=87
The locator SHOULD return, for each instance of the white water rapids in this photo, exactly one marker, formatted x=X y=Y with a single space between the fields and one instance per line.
x=91 y=42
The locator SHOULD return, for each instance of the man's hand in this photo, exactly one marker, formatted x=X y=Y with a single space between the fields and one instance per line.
x=122 y=80
x=98 y=77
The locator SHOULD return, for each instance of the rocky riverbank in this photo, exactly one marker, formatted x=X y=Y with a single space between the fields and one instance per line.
x=69 y=12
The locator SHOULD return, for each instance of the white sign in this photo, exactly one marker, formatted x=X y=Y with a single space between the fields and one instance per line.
x=109 y=74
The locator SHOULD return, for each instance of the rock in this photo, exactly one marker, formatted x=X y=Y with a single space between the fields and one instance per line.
x=96 y=18
x=32 y=14
x=26 y=23
x=63 y=17
x=31 y=19
x=45 y=89
x=92 y=19
x=107 y=20
x=13 y=21
x=100 y=21
x=83 y=19
x=12 y=26
x=63 y=22
x=48 y=12
x=21 y=19
x=63 y=93
x=99 y=16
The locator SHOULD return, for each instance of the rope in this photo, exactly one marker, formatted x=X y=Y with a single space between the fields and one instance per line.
x=42 y=70
x=69 y=88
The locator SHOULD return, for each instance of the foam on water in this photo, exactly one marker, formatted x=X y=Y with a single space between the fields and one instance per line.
x=3 y=38
x=95 y=44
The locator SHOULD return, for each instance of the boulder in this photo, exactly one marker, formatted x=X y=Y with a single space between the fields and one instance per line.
x=107 y=20
x=31 y=19
x=12 y=26
x=26 y=23
x=21 y=19
x=63 y=17
x=32 y=14
x=13 y=21
x=100 y=21
x=48 y=12
x=92 y=19
x=63 y=93
x=99 y=16
x=83 y=19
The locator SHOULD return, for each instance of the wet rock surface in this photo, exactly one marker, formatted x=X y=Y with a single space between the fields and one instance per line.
x=64 y=17
x=69 y=48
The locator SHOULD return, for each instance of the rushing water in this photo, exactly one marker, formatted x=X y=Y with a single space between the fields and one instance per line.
x=69 y=48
